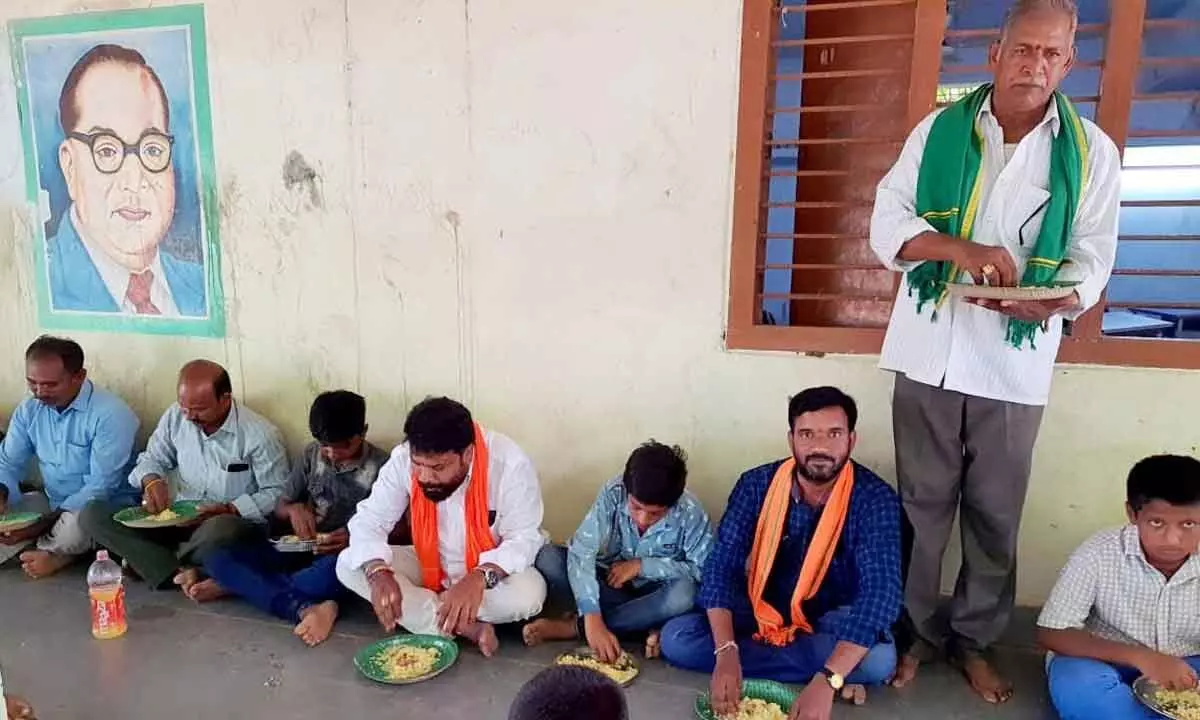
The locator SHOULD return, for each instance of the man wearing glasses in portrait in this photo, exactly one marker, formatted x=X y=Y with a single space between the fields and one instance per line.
x=116 y=160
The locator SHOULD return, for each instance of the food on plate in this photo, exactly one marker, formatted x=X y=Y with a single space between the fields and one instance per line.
x=289 y=539
x=405 y=662
x=1183 y=704
x=620 y=672
x=755 y=709
x=164 y=516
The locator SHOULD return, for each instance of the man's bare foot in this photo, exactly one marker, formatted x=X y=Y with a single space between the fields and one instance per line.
x=186 y=579
x=906 y=671
x=206 y=591
x=39 y=563
x=316 y=623
x=547 y=630
x=653 y=644
x=855 y=694
x=484 y=637
x=985 y=680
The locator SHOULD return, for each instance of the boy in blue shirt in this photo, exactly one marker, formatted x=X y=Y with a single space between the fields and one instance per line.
x=634 y=562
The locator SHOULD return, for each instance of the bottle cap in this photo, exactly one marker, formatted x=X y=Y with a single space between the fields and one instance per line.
x=101 y=555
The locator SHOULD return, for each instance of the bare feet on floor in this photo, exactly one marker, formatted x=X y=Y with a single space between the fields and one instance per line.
x=484 y=637
x=316 y=623
x=906 y=671
x=39 y=563
x=653 y=644
x=547 y=630
x=855 y=694
x=985 y=680
x=197 y=588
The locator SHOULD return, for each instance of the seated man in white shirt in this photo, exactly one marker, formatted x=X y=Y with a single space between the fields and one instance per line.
x=476 y=511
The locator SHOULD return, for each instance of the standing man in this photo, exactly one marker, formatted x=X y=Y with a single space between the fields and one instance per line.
x=209 y=448
x=1008 y=186
x=82 y=437
x=476 y=527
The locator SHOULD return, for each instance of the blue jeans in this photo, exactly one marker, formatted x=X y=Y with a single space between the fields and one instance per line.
x=627 y=610
x=687 y=643
x=1087 y=689
x=266 y=578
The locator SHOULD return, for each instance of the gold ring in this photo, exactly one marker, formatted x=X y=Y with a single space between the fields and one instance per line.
x=987 y=269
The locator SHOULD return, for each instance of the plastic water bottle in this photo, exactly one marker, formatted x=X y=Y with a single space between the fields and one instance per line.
x=108 y=597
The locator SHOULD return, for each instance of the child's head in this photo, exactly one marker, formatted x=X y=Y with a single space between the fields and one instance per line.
x=569 y=693
x=338 y=421
x=655 y=475
x=1163 y=500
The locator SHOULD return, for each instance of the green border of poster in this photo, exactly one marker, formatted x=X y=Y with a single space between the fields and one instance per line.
x=192 y=18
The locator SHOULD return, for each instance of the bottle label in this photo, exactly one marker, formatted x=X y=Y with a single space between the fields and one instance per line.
x=108 y=611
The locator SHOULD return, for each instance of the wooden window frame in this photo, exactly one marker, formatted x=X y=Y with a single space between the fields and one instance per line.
x=744 y=329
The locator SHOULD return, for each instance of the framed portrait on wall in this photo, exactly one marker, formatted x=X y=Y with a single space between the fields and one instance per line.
x=117 y=133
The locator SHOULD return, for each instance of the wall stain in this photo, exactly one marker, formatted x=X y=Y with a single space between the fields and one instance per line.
x=301 y=178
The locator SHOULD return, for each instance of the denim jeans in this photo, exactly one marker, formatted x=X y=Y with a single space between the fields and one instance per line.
x=1087 y=689
x=268 y=579
x=687 y=643
x=626 y=611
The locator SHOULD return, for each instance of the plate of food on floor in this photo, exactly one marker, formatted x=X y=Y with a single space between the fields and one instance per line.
x=623 y=671
x=761 y=700
x=406 y=659
x=1175 y=704
x=179 y=513
x=12 y=522
x=295 y=544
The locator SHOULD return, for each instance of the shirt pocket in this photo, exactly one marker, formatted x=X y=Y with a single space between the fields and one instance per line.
x=1022 y=221
x=77 y=459
x=237 y=483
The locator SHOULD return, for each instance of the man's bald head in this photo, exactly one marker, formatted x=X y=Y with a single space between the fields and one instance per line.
x=205 y=394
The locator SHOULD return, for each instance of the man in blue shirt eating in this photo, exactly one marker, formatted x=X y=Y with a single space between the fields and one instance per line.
x=803 y=583
x=635 y=561
x=83 y=440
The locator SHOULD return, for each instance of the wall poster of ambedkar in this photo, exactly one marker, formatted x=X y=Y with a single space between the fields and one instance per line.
x=117 y=133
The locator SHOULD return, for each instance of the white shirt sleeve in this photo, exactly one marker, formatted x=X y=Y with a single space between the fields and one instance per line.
x=519 y=512
x=1074 y=594
x=894 y=220
x=379 y=512
x=1094 y=238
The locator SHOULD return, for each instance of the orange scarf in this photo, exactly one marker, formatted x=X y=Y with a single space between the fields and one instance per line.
x=771 y=523
x=425 y=521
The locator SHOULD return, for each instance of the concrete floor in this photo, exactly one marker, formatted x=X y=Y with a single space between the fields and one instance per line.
x=183 y=662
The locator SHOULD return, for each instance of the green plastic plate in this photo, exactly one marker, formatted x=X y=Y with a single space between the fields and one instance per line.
x=137 y=517
x=370 y=663
x=13 y=522
x=768 y=690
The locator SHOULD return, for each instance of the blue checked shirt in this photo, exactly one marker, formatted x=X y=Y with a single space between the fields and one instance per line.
x=863 y=582
x=673 y=548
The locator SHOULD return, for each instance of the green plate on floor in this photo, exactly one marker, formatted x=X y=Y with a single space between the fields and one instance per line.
x=13 y=522
x=373 y=661
x=1148 y=693
x=136 y=517
x=767 y=690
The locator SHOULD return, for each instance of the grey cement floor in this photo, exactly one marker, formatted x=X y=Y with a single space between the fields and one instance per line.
x=183 y=662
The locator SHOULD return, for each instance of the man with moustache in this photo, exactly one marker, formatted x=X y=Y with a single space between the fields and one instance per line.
x=803 y=583
x=210 y=449
x=476 y=513
x=106 y=255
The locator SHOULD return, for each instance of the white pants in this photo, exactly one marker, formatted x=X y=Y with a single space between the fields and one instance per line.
x=517 y=597
x=65 y=538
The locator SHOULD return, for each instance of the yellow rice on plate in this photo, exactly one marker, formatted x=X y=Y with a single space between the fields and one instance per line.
x=405 y=662
x=1183 y=704
x=620 y=672
x=755 y=709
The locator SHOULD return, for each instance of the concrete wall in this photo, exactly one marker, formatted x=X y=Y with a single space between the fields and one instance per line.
x=525 y=205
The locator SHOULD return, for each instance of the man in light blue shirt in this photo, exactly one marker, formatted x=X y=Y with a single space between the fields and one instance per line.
x=210 y=449
x=83 y=440
x=634 y=562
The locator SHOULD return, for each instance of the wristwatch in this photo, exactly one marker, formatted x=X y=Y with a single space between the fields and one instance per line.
x=491 y=578
x=836 y=681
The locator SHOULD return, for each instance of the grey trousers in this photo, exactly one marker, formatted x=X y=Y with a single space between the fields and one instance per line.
x=973 y=455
